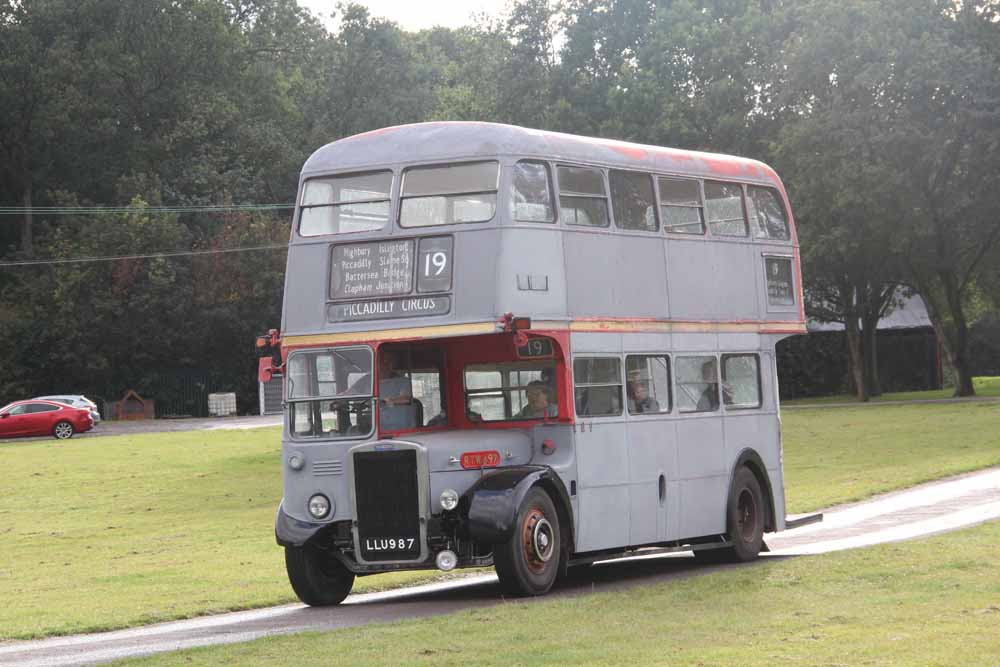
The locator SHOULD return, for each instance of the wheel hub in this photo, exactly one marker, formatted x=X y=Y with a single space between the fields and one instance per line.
x=538 y=540
x=746 y=510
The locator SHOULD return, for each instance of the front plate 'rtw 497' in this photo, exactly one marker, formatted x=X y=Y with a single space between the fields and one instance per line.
x=477 y=460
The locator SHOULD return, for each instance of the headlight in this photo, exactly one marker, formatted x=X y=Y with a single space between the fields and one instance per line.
x=449 y=499
x=320 y=506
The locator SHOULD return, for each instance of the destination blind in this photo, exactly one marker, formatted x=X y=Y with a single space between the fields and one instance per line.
x=380 y=268
x=363 y=274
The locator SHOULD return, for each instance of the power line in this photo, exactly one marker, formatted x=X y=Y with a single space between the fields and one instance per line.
x=98 y=210
x=178 y=253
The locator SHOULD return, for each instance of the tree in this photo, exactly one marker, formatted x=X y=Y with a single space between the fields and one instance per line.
x=39 y=69
x=912 y=91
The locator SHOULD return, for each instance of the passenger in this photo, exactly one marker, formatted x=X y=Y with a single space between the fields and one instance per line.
x=639 y=399
x=540 y=403
x=709 y=399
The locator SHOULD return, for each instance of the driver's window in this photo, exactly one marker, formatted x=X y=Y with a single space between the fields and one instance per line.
x=18 y=410
x=411 y=387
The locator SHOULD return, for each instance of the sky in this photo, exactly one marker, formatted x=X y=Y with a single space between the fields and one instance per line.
x=414 y=14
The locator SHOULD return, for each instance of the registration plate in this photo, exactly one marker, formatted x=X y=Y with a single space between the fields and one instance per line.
x=381 y=545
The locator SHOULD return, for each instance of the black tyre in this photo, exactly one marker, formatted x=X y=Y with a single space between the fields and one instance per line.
x=528 y=563
x=317 y=577
x=63 y=430
x=745 y=516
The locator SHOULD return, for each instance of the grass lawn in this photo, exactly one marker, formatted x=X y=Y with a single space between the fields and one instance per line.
x=985 y=387
x=930 y=602
x=845 y=454
x=112 y=532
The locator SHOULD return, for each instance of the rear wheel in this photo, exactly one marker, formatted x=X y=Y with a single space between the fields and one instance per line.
x=527 y=563
x=317 y=577
x=63 y=430
x=745 y=514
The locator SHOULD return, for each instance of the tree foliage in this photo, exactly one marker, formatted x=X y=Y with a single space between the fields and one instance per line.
x=881 y=114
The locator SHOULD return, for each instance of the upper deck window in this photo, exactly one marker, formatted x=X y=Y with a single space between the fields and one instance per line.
x=633 y=201
x=767 y=213
x=582 y=196
x=531 y=193
x=680 y=202
x=724 y=209
x=449 y=194
x=344 y=204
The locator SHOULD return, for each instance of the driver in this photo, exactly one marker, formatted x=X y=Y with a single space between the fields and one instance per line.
x=395 y=394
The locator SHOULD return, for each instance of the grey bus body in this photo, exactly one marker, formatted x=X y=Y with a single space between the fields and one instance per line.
x=439 y=240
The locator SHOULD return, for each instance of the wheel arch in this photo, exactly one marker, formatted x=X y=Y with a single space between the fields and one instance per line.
x=749 y=458
x=489 y=507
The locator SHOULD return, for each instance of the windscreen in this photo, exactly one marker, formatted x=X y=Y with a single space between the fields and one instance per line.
x=329 y=393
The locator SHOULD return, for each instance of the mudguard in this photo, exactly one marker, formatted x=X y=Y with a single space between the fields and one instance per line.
x=490 y=506
x=290 y=532
x=751 y=457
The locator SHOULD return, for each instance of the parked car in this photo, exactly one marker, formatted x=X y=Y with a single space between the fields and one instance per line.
x=76 y=402
x=38 y=417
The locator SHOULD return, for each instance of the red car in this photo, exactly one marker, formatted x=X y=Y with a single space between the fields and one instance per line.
x=43 y=418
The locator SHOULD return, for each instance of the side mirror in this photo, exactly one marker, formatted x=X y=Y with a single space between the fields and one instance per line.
x=5 y=415
x=265 y=369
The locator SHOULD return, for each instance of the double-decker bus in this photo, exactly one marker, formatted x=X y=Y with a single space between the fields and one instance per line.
x=509 y=347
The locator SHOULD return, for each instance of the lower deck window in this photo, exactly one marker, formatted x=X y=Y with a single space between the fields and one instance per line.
x=741 y=381
x=647 y=385
x=697 y=384
x=597 y=386
x=510 y=392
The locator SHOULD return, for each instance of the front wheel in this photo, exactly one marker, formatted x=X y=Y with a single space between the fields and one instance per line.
x=63 y=430
x=317 y=578
x=527 y=563
x=745 y=515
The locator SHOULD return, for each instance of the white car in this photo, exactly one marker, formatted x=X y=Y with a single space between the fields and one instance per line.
x=76 y=401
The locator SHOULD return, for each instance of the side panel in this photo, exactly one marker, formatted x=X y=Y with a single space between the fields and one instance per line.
x=531 y=279
x=603 y=488
x=703 y=475
x=615 y=275
x=652 y=453
x=712 y=280
x=602 y=463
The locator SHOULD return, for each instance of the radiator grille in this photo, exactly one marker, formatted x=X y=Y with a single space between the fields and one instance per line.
x=386 y=490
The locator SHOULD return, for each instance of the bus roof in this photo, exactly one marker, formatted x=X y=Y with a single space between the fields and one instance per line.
x=429 y=142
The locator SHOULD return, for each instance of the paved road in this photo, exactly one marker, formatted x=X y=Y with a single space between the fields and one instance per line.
x=924 y=510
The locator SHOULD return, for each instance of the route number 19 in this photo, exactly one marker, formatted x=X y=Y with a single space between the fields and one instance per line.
x=435 y=263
